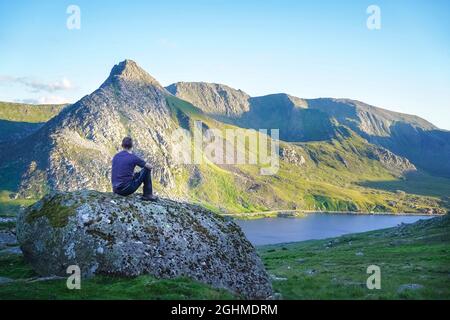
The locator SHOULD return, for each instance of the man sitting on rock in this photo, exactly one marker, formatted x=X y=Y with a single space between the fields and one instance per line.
x=124 y=180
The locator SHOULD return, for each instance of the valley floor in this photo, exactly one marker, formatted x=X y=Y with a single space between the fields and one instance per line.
x=414 y=261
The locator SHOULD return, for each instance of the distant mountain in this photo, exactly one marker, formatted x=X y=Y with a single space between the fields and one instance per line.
x=288 y=113
x=214 y=99
x=406 y=135
x=325 y=164
x=302 y=120
x=18 y=120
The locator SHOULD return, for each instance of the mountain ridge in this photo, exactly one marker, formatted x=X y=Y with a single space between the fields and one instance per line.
x=314 y=119
x=303 y=102
x=328 y=170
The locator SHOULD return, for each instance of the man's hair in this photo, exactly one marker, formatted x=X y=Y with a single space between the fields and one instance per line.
x=127 y=143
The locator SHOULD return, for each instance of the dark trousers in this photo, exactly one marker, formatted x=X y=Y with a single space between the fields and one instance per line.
x=142 y=177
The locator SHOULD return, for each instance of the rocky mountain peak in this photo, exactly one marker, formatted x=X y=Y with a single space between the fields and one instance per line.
x=129 y=70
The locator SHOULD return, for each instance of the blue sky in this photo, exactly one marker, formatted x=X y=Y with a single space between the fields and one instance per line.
x=305 y=48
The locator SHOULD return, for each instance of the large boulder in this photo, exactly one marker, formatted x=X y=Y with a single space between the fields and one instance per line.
x=104 y=233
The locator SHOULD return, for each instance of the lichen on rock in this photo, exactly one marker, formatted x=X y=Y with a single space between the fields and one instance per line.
x=104 y=233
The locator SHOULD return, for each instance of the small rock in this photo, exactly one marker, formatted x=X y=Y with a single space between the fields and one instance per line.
x=311 y=272
x=7 y=238
x=11 y=250
x=277 y=296
x=7 y=219
x=359 y=254
x=410 y=286
x=301 y=260
x=46 y=278
x=4 y=280
x=275 y=278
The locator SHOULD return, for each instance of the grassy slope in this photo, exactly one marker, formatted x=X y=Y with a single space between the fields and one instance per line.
x=9 y=207
x=19 y=112
x=319 y=269
x=18 y=120
x=14 y=118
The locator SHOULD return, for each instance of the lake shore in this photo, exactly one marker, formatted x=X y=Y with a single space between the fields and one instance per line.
x=303 y=213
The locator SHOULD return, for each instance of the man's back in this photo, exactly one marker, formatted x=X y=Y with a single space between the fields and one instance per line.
x=123 y=165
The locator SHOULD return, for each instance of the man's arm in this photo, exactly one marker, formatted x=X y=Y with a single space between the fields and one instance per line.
x=141 y=163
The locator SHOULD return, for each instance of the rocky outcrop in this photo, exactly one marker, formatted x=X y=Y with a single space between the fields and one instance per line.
x=291 y=155
x=391 y=160
x=212 y=98
x=104 y=233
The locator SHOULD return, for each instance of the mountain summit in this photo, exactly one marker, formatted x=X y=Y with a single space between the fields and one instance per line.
x=129 y=70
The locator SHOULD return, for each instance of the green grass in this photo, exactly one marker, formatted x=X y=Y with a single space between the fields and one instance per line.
x=99 y=287
x=331 y=269
x=10 y=207
x=57 y=214
x=19 y=112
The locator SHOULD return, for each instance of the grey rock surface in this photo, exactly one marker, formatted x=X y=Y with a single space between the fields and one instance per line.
x=104 y=233
x=7 y=238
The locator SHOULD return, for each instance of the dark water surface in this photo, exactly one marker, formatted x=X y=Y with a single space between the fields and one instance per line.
x=317 y=226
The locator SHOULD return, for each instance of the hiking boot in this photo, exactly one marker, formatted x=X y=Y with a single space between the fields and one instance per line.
x=149 y=198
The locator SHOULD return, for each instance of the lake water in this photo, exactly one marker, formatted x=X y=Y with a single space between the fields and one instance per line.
x=316 y=226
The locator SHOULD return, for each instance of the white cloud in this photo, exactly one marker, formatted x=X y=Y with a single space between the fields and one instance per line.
x=51 y=99
x=36 y=85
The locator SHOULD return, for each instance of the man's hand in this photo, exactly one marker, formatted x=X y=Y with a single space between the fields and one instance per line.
x=148 y=166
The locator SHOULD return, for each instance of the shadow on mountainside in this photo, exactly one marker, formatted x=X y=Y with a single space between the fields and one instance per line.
x=12 y=130
x=418 y=183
